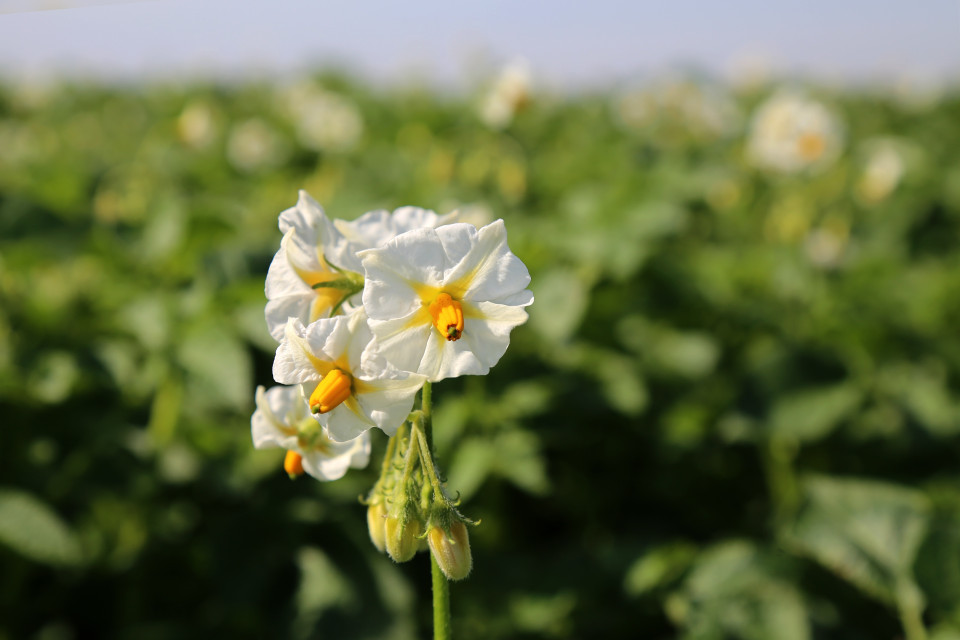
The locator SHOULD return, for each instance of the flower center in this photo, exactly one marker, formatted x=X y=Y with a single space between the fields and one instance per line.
x=811 y=146
x=293 y=464
x=447 y=316
x=332 y=390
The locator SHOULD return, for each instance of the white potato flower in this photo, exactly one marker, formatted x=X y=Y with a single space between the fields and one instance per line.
x=313 y=273
x=442 y=302
x=790 y=132
x=882 y=173
x=374 y=228
x=509 y=95
x=350 y=387
x=317 y=271
x=282 y=419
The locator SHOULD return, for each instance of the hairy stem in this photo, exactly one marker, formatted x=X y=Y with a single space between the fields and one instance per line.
x=441 y=588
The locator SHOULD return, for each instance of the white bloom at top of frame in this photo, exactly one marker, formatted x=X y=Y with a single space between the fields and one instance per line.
x=312 y=255
x=509 y=94
x=442 y=302
x=283 y=419
x=350 y=386
x=374 y=228
x=791 y=132
x=316 y=271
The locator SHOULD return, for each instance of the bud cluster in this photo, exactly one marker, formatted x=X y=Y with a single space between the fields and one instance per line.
x=408 y=511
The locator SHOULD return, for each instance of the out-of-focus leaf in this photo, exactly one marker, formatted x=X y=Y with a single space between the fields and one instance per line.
x=658 y=567
x=471 y=464
x=867 y=532
x=734 y=590
x=811 y=414
x=218 y=367
x=519 y=459
x=322 y=586
x=547 y=616
x=31 y=528
x=561 y=300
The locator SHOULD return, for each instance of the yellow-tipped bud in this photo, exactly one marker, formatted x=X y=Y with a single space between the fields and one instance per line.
x=332 y=390
x=401 y=539
x=376 y=523
x=451 y=550
x=293 y=464
x=447 y=316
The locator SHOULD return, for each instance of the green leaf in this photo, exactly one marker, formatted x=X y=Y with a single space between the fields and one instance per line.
x=561 y=302
x=810 y=415
x=736 y=590
x=658 y=567
x=322 y=587
x=866 y=532
x=31 y=528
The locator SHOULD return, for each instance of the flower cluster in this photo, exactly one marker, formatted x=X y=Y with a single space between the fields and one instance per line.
x=366 y=313
x=791 y=132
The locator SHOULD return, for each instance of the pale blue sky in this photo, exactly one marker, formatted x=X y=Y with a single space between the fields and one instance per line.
x=568 y=44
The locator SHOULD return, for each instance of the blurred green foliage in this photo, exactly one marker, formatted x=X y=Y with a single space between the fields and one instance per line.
x=732 y=414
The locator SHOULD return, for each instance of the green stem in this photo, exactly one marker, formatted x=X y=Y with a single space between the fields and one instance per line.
x=910 y=608
x=441 y=588
x=441 y=602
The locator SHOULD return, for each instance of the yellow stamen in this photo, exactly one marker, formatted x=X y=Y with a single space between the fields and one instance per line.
x=332 y=390
x=447 y=316
x=293 y=464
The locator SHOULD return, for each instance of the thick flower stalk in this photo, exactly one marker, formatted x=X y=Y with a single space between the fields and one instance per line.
x=282 y=419
x=442 y=302
x=349 y=386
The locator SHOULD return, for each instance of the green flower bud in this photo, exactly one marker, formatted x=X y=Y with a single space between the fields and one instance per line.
x=401 y=538
x=451 y=550
x=376 y=523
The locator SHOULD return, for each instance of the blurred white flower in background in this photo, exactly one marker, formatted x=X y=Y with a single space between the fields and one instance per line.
x=197 y=125
x=791 y=132
x=694 y=108
x=324 y=121
x=253 y=145
x=509 y=95
x=881 y=174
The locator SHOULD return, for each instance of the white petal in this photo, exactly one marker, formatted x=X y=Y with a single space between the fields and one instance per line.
x=279 y=311
x=271 y=424
x=391 y=401
x=413 y=257
x=484 y=259
x=401 y=343
x=294 y=362
x=333 y=462
x=343 y=425
x=369 y=230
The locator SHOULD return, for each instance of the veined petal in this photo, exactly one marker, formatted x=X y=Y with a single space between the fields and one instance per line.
x=484 y=268
x=394 y=271
x=407 y=218
x=403 y=341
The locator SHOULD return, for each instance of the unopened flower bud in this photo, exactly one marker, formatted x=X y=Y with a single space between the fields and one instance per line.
x=376 y=523
x=401 y=538
x=451 y=550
